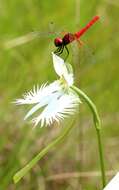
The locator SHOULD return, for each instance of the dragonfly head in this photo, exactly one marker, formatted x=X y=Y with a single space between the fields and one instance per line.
x=58 y=42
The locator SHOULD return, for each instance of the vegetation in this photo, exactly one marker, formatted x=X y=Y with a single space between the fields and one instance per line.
x=96 y=69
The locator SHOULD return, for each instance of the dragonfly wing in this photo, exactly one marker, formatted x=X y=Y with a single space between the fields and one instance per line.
x=27 y=38
x=84 y=52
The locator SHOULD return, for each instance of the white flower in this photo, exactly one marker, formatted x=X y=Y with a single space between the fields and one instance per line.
x=54 y=101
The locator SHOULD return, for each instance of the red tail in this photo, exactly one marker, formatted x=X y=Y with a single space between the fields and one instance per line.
x=83 y=30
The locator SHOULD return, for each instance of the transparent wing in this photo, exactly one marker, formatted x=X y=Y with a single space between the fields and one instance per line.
x=83 y=52
x=20 y=40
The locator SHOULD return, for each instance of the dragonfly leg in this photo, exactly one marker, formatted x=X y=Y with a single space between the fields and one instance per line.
x=61 y=50
x=58 y=50
x=67 y=52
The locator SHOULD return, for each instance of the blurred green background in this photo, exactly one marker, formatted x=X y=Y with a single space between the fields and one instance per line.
x=96 y=72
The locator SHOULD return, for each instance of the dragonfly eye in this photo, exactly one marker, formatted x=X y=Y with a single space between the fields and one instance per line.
x=58 y=42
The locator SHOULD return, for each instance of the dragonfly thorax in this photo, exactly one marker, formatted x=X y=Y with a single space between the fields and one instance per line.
x=58 y=42
x=68 y=38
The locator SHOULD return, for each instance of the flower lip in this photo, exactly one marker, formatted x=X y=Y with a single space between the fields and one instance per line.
x=61 y=106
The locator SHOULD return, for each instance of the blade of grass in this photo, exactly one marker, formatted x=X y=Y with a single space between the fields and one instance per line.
x=42 y=153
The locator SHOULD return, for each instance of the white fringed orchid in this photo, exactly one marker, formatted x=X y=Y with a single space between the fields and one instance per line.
x=54 y=101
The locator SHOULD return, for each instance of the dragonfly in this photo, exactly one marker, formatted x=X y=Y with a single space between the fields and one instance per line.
x=61 y=43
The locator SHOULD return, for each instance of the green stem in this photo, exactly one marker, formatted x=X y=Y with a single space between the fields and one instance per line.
x=21 y=173
x=97 y=123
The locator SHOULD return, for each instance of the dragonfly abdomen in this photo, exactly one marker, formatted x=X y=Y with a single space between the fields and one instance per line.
x=83 y=30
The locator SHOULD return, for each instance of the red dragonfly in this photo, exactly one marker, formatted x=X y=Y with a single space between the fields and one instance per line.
x=62 y=43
